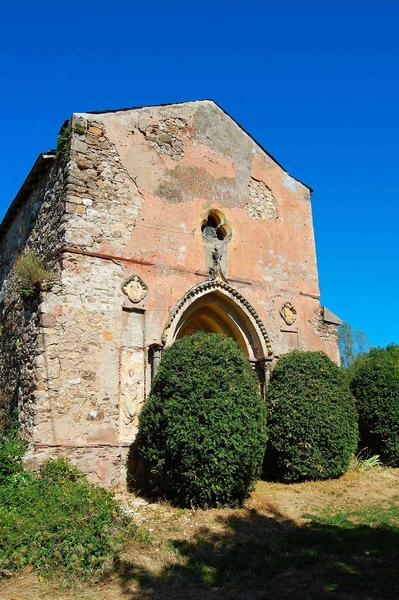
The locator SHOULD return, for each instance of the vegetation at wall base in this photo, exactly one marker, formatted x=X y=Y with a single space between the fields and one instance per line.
x=312 y=419
x=55 y=520
x=375 y=386
x=202 y=431
x=12 y=450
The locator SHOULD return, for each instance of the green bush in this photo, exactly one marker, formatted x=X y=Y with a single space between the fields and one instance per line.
x=203 y=429
x=312 y=419
x=56 y=520
x=375 y=385
x=12 y=450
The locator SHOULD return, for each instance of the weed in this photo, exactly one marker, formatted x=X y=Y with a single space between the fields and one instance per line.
x=142 y=535
x=364 y=462
x=63 y=141
x=32 y=274
x=79 y=129
x=172 y=546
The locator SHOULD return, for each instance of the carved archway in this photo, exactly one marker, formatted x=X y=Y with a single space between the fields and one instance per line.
x=215 y=306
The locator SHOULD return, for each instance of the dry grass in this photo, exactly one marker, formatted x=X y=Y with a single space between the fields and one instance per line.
x=267 y=549
x=31 y=272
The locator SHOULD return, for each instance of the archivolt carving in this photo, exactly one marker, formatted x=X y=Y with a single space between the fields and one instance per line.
x=217 y=284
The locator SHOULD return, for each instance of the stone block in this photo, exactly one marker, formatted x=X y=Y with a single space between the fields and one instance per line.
x=95 y=130
x=47 y=320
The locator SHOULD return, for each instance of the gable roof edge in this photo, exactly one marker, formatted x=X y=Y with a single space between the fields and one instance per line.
x=41 y=167
x=137 y=107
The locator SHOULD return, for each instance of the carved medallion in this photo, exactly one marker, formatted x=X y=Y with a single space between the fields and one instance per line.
x=288 y=312
x=135 y=288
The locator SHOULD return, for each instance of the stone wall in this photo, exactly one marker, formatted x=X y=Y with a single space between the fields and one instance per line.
x=103 y=200
x=37 y=224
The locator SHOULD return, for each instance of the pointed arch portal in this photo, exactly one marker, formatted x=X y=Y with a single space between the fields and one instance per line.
x=216 y=307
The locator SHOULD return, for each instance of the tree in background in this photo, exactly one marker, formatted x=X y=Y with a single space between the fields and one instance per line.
x=351 y=343
x=375 y=386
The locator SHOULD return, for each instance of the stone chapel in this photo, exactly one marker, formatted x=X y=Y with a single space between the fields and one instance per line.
x=156 y=222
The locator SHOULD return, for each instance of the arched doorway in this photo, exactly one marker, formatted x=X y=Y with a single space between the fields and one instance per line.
x=216 y=307
x=215 y=313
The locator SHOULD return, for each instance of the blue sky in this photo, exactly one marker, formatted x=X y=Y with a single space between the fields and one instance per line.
x=315 y=82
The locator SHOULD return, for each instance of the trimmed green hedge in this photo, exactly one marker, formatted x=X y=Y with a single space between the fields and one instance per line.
x=312 y=419
x=375 y=385
x=202 y=431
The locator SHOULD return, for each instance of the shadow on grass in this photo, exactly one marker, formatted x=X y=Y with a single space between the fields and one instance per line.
x=260 y=557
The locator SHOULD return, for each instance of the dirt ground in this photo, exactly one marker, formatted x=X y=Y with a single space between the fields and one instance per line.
x=202 y=554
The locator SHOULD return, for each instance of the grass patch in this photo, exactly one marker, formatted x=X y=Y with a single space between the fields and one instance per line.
x=334 y=554
x=142 y=536
x=32 y=274
x=79 y=129
x=386 y=515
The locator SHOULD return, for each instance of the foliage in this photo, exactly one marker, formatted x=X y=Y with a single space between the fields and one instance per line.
x=79 y=129
x=31 y=273
x=12 y=450
x=60 y=472
x=352 y=343
x=312 y=419
x=63 y=141
x=375 y=385
x=55 y=519
x=202 y=431
x=364 y=462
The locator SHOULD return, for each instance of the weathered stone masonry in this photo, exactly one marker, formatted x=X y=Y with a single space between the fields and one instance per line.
x=157 y=221
x=36 y=221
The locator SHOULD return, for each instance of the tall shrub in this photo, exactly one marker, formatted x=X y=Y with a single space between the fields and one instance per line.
x=203 y=430
x=375 y=385
x=312 y=419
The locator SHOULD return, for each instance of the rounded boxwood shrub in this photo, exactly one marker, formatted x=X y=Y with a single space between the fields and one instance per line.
x=375 y=385
x=202 y=431
x=312 y=419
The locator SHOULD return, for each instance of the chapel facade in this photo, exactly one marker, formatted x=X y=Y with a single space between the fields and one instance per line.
x=156 y=222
